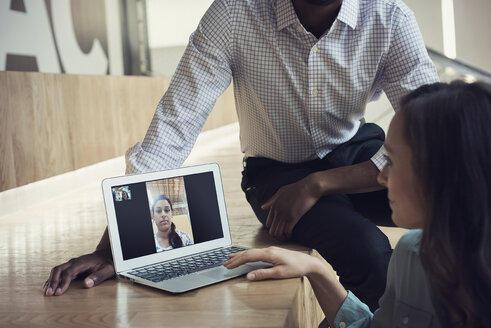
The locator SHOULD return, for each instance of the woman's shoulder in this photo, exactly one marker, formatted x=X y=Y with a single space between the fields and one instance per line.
x=409 y=242
x=182 y=233
x=185 y=237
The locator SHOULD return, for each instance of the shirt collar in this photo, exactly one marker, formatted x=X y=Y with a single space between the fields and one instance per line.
x=286 y=16
x=349 y=13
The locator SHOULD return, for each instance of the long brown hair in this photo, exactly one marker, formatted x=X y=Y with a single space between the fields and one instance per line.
x=449 y=128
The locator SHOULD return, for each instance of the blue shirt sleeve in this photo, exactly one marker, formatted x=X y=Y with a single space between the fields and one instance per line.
x=353 y=313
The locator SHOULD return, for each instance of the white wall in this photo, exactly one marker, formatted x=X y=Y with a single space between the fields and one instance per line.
x=472 y=21
x=428 y=15
x=473 y=32
x=170 y=22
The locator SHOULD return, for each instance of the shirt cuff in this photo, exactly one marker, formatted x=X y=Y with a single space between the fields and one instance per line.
x=353 y=313
x=140 y=161
x=379 y=158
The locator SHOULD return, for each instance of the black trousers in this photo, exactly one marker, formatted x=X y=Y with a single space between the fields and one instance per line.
x=342 y=228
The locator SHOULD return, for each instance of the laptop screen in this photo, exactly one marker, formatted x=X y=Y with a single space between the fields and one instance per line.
x=167 y=214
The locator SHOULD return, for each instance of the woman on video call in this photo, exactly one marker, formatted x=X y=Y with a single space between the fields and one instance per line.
x=167 y=236
x=438 y=175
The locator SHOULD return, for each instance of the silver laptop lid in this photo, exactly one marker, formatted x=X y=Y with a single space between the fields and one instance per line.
x=198 y=213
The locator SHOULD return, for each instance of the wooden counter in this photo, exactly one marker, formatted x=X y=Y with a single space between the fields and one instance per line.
x=40 y=236
x=63 y=217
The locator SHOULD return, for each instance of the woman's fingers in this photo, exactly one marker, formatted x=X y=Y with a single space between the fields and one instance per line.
x=262 y=274
x=286 y=263
x=250 y=255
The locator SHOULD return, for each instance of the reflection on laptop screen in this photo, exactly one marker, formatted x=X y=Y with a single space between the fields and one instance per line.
x=166 y=214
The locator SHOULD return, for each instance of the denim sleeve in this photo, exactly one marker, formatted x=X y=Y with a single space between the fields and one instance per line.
x=353 y=313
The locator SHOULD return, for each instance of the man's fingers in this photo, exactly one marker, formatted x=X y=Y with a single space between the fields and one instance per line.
x=65 y=279
x=270 y=218
x=277 y=229
x=54 y=278
x=94 y=279
x=62 y=275
x=268 y=204
x=289 y=230
x=71 y=272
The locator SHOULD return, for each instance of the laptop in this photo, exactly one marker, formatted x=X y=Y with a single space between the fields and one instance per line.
x=170 y=230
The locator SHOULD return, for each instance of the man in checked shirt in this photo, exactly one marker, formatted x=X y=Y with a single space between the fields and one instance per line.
x=303 y=72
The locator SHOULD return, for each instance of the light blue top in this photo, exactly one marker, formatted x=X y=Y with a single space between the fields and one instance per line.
x=297 y=97
x=407 y=299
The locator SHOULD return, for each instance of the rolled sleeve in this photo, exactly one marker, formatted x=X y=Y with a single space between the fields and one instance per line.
x=137 y=160
x=353 y=313
x=379 y=158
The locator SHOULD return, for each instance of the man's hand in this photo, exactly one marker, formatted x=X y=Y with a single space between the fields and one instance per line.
x=292 y=201
x=98 y=265
x=288 y=205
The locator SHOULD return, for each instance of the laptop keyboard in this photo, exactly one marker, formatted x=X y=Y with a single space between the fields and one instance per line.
x=183 y=266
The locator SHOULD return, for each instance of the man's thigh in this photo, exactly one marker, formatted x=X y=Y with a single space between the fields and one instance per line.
x=262 y=178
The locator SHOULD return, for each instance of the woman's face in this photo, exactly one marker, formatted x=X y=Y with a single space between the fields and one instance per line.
x=162 y=215
x=398 y=175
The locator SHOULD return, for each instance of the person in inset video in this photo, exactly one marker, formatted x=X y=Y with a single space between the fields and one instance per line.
x=167 y=236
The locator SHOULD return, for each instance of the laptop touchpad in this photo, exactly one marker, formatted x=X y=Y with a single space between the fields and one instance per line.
x=224 y=272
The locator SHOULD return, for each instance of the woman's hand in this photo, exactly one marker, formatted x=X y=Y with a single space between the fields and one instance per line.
x=286 y=263
x=98 y=265
x=289 y=264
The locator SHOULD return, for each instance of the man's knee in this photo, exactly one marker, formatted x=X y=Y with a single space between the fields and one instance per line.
x=365 y=257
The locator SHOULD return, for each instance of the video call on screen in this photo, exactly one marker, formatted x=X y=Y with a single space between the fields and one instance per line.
x=134 y=216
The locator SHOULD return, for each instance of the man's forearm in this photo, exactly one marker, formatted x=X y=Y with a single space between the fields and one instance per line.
x=351 y=179
x=104 y=246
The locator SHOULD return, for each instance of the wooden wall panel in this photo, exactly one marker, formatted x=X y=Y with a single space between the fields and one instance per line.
x=55 y=123
x=7 y=171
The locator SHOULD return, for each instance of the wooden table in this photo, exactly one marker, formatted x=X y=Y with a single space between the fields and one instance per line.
x=40 y=236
